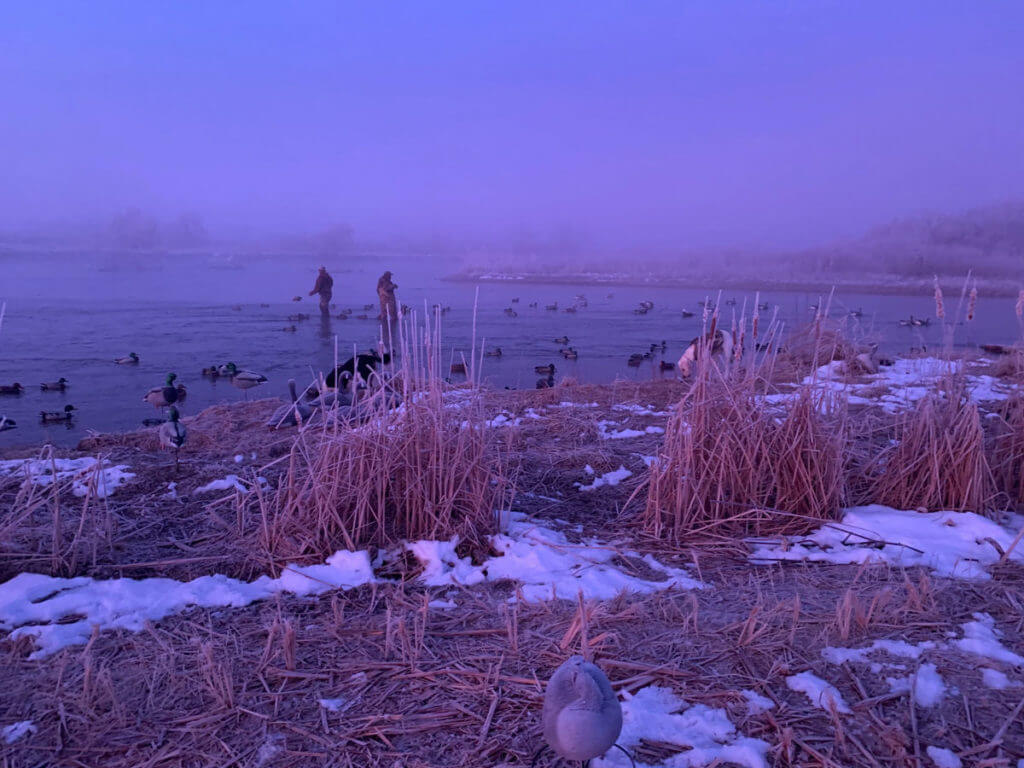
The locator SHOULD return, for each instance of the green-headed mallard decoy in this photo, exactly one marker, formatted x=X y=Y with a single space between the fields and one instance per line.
x=54 y=386
x=132 y=359
x=172 y=434
x=562 y=340
x=11 y=389
x=52 y=417
x=228 y=369
x=168 y=394
x=544 y=369
x=212 y=372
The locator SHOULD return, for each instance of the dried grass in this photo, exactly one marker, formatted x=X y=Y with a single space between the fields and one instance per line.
x=1008 y=450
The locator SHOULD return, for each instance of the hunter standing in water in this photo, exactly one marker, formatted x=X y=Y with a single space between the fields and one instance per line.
x=325 y=287
x=388 y=306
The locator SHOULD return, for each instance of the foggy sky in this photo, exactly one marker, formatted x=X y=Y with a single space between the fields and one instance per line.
x=677 y=123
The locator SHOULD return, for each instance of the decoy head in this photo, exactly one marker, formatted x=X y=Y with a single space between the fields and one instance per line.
x=62 y=380
x=69 y=408
x=134 y=356
x=170 y=378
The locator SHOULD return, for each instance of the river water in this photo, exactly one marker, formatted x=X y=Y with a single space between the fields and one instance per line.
x=70 y=315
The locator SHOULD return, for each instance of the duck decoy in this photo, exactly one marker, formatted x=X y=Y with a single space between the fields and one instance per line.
x=548 y=382
x=132 y=359
x=515 y=300
x=212 y=372
x=570 y=354
x=291 y=414
x=51 y=417
x=533 y=305
x=55 y=386
x=511 y=312
x=229 y=369
x=667 y=366
x=562 y=340
x=168 y=394
x=458 y=368
x=763 y=305
x=151 y=422
x=296 y=298
x=687 y=313
x=582 y=716
x=570 y=310
x=264 y=306
x=664 y=345
x=172 y=434
x=11 y=389
x=246 y=380
x=6 y=424
x=289 y=329
x=552 y=307
x=545 y=369
x=496 y=352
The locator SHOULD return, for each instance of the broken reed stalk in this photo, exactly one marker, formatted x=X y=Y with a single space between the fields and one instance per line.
x=938 y=458
x=416 y=465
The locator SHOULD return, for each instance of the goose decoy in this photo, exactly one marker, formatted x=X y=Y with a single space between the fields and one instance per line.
x=292 y=414
x=55 y=386
x=582 y=716
x=132 y=359
x=6 y=424
x=458 y=368
x=172 y=434
x=52 y=417
x=562 y=340
x=687 y=313
x=545 y=369
x=246 y=380
x=11 y=389
x=496 y=352
x=168 y=394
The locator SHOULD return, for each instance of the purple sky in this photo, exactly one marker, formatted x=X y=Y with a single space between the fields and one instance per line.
x=683 y=124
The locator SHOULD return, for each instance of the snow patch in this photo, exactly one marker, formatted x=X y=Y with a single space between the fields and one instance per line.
x=756 y=703
x=943 y=758
x=84 y=474
x=821 y=693
x=11 y=733
x=612 y=478
x=929 y=688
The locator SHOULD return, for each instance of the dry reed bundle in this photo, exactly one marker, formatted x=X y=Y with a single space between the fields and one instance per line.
x=938 y=459
x=730 y=467
x=426 y=469
x=1008 y=450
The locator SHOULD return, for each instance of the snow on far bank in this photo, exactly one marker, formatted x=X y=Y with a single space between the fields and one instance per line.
x=656 y=714
x=542 y=560
x=822 y=694
x=82 y=473
x=612 y=478
x=546 y=565
x=949 y=543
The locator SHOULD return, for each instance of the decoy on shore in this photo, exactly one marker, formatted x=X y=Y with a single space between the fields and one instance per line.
x=168 y=394
x=173 y=434
x=545 y=369
x=6 y=424
x=582 y=716
x=52 y=417
x=131 y=359
x=11 y=389
x=291 y=414
x=55 y=386
x=246 y=380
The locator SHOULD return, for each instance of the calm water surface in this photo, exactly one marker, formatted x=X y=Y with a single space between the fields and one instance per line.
x=72 y=315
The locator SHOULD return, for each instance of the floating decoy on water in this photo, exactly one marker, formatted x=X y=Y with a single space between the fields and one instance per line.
x=289 y=329
x=533 y=305
x=168 y=394
x=6 y=424
x=212 y=372
x=582 y=716
x=570 y=354
x=545 y=369
x=562 y=340
x=296 y=298
x=552 y=307
x=229 y=369
x=496 y=352
x=687 y=313
x=132 y=359
x=511 y=312
x=51 y=417
x=515 y=300
x=11 y=389
x=293 y=413
x=667 y=366
x=172 y=434
x=246 y=380
x=763 y=305
x=55 y=386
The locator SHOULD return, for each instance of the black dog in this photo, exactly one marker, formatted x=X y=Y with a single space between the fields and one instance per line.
x=364 y=364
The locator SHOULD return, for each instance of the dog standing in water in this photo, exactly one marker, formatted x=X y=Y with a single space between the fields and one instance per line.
x=714 y=343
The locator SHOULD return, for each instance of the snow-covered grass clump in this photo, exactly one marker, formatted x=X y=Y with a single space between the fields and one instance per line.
x=86 y=475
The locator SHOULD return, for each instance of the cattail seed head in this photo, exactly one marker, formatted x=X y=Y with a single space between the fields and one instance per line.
x=972 y=302
x=940 y=308
x=1020 y=305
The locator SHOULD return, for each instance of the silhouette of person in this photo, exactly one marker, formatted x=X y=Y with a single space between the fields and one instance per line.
x=325 y=288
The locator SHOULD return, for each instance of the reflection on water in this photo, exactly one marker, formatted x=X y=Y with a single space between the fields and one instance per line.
x=177 y=315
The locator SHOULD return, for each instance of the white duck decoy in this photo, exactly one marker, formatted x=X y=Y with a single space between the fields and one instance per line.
x=582 y=717
x=172 y=434
x=291 y=414
x=246 y=380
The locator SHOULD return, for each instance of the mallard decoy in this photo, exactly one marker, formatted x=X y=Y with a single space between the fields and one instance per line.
x=687 y=313
x=496 y=352
x=582 y=716
x=552 y=307
x=55 y=386
x=289 y=329
x=515 y=300
x=296 y=298
x=667 y=366
x=547 y=382
x=229 y=369
x=290 y=414
x=547 y=370
x=562 y=340
x=168 y=394
x=11 y=389
x=211 y=373
x=246 y=380
x=132 y=359
x=6 y=424
x=172 y=434
x=51 y=417
x=570 y=354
